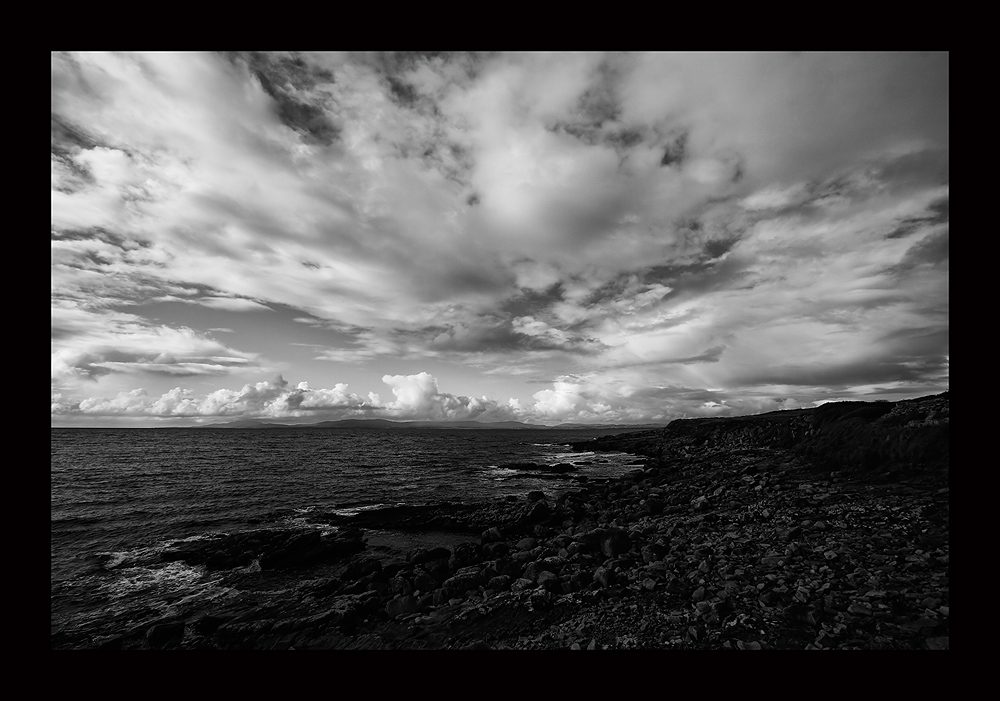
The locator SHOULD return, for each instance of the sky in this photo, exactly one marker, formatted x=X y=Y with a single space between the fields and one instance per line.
x=542 y=237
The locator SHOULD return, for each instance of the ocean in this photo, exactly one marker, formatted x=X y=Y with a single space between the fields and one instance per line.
x=120 y=497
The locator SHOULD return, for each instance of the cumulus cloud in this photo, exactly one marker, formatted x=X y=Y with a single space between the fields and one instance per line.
x=417 y=397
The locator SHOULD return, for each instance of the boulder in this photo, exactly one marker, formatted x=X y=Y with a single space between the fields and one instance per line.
x=522 y=584
x=550 y=581
x=526 y=543
x=604 y=576
x=612 y=542
x=539 y=511
x=400 y=586
x=424 y=581
x=653 y=506
x=465 y=579
x=401 y=605
x=501 y=582
x=465 y=555
x=491 y=535
x=495 y=550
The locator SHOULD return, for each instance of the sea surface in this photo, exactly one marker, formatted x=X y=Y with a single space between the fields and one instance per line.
x=121 y=496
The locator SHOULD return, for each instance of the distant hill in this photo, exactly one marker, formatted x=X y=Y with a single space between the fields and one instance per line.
x=245 y=423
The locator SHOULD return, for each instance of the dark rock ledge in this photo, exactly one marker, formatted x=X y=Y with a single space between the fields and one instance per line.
x=818 y=529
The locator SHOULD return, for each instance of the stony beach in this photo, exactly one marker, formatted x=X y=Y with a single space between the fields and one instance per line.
x=824 y=528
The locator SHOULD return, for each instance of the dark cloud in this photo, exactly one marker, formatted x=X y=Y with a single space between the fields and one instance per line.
x=930 y=250
x=712 y=355
x=910 y=343
x=937 y=214
x=286 y=78
x=625 y=138
x=914 y=169
x=531 y=302
x=404 y=93
x=719 y=247
x=600 y=103
x=676 y=151
x=879 y=369
x=506 y=336
x=68 y=138
x=704 y=276
x=125 y=243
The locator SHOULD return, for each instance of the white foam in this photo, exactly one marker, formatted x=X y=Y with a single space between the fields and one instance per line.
x=171 y=577
x=354 y=510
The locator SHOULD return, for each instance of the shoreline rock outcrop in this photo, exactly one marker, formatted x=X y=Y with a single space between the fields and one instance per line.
x=736 y=535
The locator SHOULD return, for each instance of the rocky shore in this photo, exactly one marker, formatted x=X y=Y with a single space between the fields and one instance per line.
x=825 y=528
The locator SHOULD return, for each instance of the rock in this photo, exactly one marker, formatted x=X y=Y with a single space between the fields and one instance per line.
x=612 y=542
x=501 y=582
x=653 y=552
x=423 y=581
x=400 y=585
x=538 y=511
x=419 y=556
x=310 y=548
x=526 y=544
x=458 y=586
x=537 y=467
x=541 y=600
x=272 y=548
x=495 y=550
x=522 y=584
x=209 y=623
x=604 y=576
x=112 y=643
x=163 y=633
x=465 y=554
x=653 y=506
x=939 y=643
x=532 y=570
x=792 y=533
x=550 y=581
x=491 y=535
x=401 y=605
x=536 y=495
x=477 y=645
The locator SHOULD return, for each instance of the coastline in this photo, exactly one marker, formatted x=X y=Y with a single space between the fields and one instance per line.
x=732 y=535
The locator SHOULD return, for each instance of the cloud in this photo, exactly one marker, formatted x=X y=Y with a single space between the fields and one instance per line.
x=90 y=344
x=716 y=220
x=233 y=304
x=417 y=397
